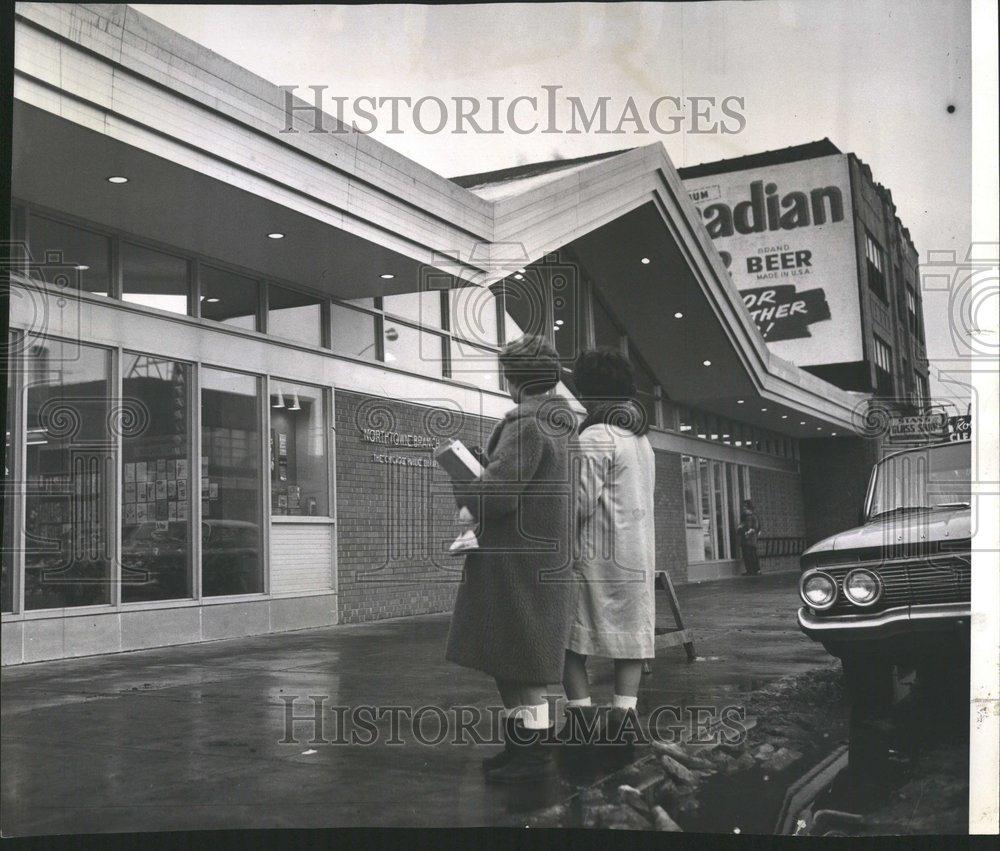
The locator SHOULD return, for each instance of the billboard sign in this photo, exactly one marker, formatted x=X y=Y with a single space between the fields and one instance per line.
x=786 y=234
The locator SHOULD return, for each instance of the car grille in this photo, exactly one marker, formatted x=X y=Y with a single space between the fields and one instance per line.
x=945 y=579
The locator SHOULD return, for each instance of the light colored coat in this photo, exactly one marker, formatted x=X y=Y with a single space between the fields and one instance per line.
x=615 y=556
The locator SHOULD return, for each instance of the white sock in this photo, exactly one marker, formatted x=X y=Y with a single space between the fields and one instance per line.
x=535 y=717
x=622 y=701
x=580 y=701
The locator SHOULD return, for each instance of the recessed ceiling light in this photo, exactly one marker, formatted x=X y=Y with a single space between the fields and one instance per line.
x=555 y=327
x=784 y=416
x=82 y=268
x=644 y=261
x=802 y=422
x=559 y=322
x=819 y=428
x=117 y=179
x=706 y=363
x=521 y=271
x=518 y=277
x=678 y=315
x=387 y=276
x=739 y=401
x=275 y=235
x=212 y=300
x=762 y=410
x=833 y=434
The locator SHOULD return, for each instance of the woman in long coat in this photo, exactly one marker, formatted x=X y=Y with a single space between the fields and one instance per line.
x=514 y=607
x=615 y=557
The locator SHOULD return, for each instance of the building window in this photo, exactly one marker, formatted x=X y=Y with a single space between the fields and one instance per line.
x=231 y=496
x=475 y=365
x=713 y=494
x=422 y=308
x=69 y=475
x=412 y=349
x=913 y=318
x=294 y=315
x=473 y=315
x=11 y=476
x=921 y=388
x=156 y=479
x=229 y=298
x=353 y=332
x=82 y=258
x=154 y=279
x=300 y=476
x=876 y=267
x=883 y=367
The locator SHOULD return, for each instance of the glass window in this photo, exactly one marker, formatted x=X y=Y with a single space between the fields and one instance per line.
x=156 y=479
x=606 y=333
x=474 y=365
x=10 y=479
x=231 y=495
x=229 y=298
x=876 y=267
x=721 y=517
x=294 y=315
x=524 y=309
x=85 y=254
x=698 y=509
x=413 y=350
x=70 y=475
x=154 y=279
x=424 y=307
x=473 y=315
x=353 y=333
x=299 y=469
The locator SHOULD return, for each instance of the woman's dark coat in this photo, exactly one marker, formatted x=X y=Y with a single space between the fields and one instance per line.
x=516 y=602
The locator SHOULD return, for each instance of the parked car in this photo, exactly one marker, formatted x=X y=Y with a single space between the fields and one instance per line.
x=893 y=594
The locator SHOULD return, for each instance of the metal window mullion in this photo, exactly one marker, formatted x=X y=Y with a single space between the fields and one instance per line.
x=116 y=494
x=264 y=382
x=194 y=477
x=19 y=448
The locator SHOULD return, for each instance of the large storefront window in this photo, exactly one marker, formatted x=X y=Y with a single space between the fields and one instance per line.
x=353 y=332
x=156 y=479
x=713 y=494
x=413 y=350
x=229 y=298
x=85 y=253
x=299 y=468
x=473 y=312
x=154 y=279
x=423 y=308
x=9 y=480
x=231 y=493
x=69 y=477
x=294 y=315
x=475 y=365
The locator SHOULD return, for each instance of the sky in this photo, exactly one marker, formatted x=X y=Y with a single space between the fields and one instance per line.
x=875 y=77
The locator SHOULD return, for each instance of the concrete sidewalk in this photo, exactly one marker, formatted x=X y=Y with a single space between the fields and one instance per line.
x=190 y=737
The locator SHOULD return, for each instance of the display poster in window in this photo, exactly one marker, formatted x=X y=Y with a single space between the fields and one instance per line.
x=786 y=235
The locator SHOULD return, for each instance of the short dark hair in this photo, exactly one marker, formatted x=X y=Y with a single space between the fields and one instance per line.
x=603 y=373
x=531 y=363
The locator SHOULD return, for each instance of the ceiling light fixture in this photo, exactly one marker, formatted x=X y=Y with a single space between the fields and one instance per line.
x=295 y=406
x=117 y=178
x=518 y=277
x=212 y=300
x=644 y=261
x=279 y=402
x=739 y=401
x=82 y=268
x=784 y=416
x=706 y=363
x=763 y=410
x=387 y=276
x=678 y=315
x=275 y=235
x=802 y=422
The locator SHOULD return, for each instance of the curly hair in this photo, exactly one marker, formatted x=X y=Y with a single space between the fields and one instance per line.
x=531 y=363
x=603 y=373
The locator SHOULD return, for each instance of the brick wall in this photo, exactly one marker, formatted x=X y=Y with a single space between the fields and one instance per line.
x=835 y=475
x=395 y=519
x=671 y=549
x=777 y=498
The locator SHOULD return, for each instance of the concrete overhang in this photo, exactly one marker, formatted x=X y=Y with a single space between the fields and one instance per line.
x=103 y=89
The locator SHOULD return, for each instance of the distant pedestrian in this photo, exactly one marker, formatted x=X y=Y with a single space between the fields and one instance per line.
x=749 y=532
x=515 y=603
x=615 y=557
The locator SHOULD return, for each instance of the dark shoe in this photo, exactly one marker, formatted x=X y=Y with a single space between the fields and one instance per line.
x=511 y=731
x=623 y=728
x=582 y=726
x=531 y=760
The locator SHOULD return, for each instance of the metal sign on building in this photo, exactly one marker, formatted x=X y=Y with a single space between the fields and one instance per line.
x=786 y=233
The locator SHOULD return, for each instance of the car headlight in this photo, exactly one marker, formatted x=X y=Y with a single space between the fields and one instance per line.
x=818 y=590
x=862 y=587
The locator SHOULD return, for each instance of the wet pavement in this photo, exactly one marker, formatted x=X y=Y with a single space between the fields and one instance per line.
x=191 y=737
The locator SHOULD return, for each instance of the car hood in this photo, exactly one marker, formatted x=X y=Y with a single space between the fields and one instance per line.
x=933 y=529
